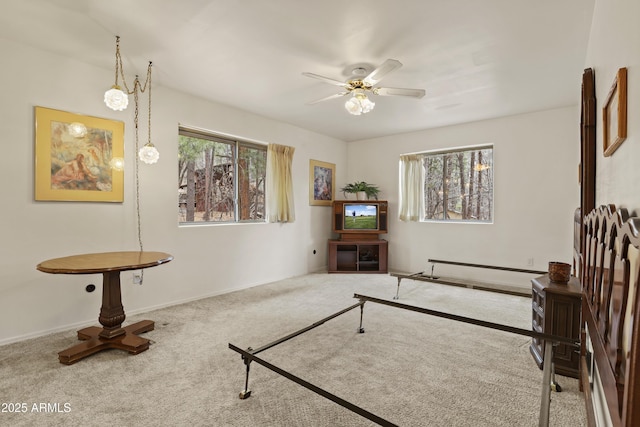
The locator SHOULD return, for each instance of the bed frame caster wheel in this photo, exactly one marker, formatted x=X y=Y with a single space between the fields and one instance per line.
x=245 y=394
x=361 y=330
x=556 y=387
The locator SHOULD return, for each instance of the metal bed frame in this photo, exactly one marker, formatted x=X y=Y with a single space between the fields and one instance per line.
x=548 y=383
x=423 y=276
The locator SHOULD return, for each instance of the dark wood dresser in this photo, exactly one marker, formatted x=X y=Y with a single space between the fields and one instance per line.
x=556 y=311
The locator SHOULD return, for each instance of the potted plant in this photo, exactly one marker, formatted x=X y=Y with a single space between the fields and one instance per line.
x=362 y=190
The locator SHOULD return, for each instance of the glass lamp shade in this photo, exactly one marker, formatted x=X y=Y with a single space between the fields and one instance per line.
x=149 y=154
x=367 y=105
x=117 y=163
x=116 y=99
x=359 y=104
x=353 y=106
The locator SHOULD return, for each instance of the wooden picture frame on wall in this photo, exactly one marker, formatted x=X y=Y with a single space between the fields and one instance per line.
x=321 y=183
x=614 y=114
x=78 y=158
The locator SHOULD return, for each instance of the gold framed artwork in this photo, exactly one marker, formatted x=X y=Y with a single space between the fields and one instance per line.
x=614 y=114
x=321 y=183
x=78 y=158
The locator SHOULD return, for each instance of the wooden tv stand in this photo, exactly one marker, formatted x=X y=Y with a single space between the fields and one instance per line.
x=358 y=255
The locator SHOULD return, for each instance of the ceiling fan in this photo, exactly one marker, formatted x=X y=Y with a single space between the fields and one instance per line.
x=360 y=83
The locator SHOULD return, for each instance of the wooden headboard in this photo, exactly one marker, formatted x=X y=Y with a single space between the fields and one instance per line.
x=609 y=269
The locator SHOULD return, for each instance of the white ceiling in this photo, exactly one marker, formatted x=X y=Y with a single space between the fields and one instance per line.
x=477 y=59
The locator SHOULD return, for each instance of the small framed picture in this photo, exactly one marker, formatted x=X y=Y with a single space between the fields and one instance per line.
x=321 y=183
x=78 y=158
x=614 y=114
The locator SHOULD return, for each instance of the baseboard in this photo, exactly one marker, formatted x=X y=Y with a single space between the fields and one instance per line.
x=133 y=312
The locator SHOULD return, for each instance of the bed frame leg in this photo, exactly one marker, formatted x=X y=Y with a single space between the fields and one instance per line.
x=398 y=289
x=246 y=393
x=361 y=329
x=555 y=386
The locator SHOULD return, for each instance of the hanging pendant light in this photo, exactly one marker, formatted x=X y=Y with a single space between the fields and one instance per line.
x=116 y=98
x=149 y=154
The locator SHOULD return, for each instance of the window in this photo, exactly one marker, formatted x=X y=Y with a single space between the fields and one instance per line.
x=220 y=179
x=459 y=185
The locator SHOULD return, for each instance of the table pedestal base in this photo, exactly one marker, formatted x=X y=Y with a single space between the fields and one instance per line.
x=93 y=342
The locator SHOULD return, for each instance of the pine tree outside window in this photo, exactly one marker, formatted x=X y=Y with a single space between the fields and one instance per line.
x=459 y=185
x=220 y=179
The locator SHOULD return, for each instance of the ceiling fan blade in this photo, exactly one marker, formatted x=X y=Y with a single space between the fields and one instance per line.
x=396 y=91
x=326 y=98
x=326 y=79
x=376 y=75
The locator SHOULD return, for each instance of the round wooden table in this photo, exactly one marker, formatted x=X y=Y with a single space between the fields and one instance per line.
x=112 y=334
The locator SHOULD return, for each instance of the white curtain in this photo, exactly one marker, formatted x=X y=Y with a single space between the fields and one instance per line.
x=280 y=206
x=411 y=187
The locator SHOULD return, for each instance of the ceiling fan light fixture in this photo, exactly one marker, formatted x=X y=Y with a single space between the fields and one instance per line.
x=359 y=103
x=359 y=84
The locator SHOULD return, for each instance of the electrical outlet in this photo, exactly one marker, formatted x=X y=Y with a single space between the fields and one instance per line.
x=530 y=262
x=137 y=278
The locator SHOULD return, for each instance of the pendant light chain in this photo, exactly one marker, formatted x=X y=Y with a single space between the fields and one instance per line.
x=137 y=90
x=118 y=67
x=149 y=112
x=117 y=99
x=142 y=89
x=137 y=162
x=137 y=139
x=136 y=121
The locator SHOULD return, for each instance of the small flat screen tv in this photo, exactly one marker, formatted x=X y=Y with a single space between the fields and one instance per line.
x=360 y=216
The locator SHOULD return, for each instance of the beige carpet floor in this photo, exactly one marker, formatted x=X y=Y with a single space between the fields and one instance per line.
x=409 y=368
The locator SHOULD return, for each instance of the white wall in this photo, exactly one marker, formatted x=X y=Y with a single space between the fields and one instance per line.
x=536 y=160
x=208 y=259
x=614 y=43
